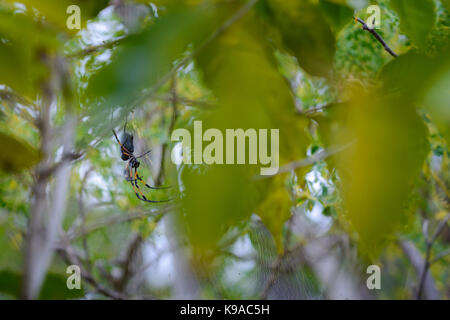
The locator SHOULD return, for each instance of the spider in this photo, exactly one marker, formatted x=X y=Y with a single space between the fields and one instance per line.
x=131 y=173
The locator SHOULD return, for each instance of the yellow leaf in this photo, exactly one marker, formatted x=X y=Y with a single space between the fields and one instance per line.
x=17 y=155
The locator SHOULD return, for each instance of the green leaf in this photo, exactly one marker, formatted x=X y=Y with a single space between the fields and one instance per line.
x=424 y=84
x=437 y=101
x=19 y=155
x=399 y=75
x=417 y=19
x=379 y=169
x=306 y=33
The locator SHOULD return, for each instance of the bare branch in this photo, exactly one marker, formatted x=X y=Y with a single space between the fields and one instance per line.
x=314 y=110
x=319 y=156
x=427 y=285
x=14 y=99
x=186 y=101
x=68 y=254
x=93 y=49
x=129 y=262
x=441 y=255
x=46 y=216
x=118 y=219
x=377 y=36
x=173 y=119
x=439 y=228
x=83 y=214
x=440 y=183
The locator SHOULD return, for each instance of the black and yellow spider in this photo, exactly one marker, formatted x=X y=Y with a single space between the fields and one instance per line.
x=131 y=173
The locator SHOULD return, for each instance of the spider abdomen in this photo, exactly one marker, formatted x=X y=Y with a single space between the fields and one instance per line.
x=127 y=142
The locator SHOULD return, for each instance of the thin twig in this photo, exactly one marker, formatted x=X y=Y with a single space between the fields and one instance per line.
x=186 y=101
x=319 y=156
x=272 y=279
x=377 y=36
x=440 y=183
x=83 y=215
x=67 y=157
x=429 y=245
x=314 y=110
x=128 y=263
x=14 y=99
x=92 y=49
x=118 y=219
x=417 y=261
x=282 y=264
x=439 y=228
x=440 y=256
x=68 y=254
x=173 y=119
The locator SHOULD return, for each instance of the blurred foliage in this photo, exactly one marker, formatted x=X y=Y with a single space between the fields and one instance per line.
x=55 y=11
x=417 y=19
x=388 y=143
x=301 y=66
x=54 y=287
x=146 y=57
x=21 y=157
x=306 y=33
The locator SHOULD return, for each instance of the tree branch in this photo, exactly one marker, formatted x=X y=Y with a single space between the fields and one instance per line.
x=92 y=49
x=377 y=36
x=414 y=256
x=118 y=219
x=68 y=254
x=83 y=214
x=314 y=110
x=173 y=119
x=46 y=216
x=319 y=156
x=186 y=101
x=426 y=264
x=440 y=256
x=13 y=98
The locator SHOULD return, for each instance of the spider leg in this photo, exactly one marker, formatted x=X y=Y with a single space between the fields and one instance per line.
x=130 y=179
x=145 y=153
x=138 y=177
x=142 y=196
